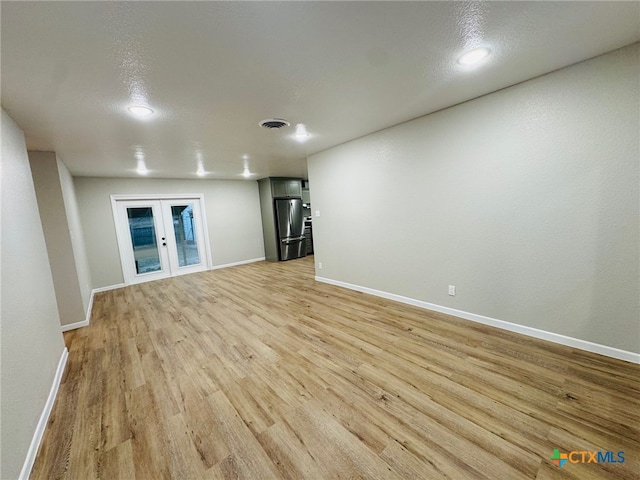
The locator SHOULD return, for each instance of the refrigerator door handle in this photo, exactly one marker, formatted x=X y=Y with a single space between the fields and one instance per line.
x=292 y=240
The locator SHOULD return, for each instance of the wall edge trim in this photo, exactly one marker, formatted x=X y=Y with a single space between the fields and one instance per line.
x=241 y=262
x=107 y=288
x=87 y=320
x=73 y=326
x=44 y=418
x=494 y=322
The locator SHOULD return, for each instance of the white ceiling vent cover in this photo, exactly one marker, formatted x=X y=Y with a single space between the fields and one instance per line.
x=274 y=123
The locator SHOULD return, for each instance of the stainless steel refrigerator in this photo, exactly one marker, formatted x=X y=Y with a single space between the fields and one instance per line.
x=290 y=228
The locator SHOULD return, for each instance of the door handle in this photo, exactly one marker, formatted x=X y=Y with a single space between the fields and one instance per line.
x=293 y=240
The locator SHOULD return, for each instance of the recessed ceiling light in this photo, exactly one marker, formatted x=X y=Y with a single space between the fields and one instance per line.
x=475 y=56
x=142 y=166
x=140 y=110
x=301 y=132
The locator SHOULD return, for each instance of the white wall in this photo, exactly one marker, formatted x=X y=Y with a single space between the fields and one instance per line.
x=30 y=327
x=233 y=217
x=47 y=180
x=75 y=231
x=527 y=200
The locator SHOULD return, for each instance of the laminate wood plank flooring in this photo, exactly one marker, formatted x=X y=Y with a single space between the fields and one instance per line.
x=260 y=372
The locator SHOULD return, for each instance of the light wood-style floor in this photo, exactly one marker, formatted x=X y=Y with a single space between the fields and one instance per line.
x=259 y=372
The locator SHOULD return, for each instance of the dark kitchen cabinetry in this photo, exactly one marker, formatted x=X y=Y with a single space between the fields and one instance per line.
x=308 y=233
x=281 y=205
x=306 y=197
x=286 y=187
x=306 y=209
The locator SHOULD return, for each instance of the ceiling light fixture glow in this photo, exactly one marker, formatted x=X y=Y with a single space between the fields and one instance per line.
x=474 y=57
x=301 y=132
x=142 y=167
x=140 y=110
x=200 y=171
x=246 y=173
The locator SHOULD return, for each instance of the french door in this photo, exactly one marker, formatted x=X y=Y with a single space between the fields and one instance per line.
x=160 y=238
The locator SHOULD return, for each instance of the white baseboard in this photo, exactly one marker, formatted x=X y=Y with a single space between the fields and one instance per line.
x=87 y=320
x=512 y=327
x=107 y=288
x=44 y=418
x=234 y=264
x=73 y=326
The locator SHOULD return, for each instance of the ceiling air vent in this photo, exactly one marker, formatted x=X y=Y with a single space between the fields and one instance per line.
x=274 y=123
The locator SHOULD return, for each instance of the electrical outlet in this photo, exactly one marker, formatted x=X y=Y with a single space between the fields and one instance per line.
x=320 y=265
x=317 y=213
x=452 y=290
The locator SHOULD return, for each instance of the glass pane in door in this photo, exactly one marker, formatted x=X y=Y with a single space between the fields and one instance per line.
x=143 y=238
x=185 y=232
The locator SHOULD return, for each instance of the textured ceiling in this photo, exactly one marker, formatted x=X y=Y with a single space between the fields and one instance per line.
x=213 y=70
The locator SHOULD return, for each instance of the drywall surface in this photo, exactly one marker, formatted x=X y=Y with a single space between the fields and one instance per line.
x=527 y=200
x=233 y=219
x=53 y=216
x=268 y=220
x=75 y=232
x=31 y=339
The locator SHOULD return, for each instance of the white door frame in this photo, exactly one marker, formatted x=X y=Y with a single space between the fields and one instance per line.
x=127 y=255
x=124 y=248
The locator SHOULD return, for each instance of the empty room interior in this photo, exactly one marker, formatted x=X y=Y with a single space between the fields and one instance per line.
x=320 y=240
